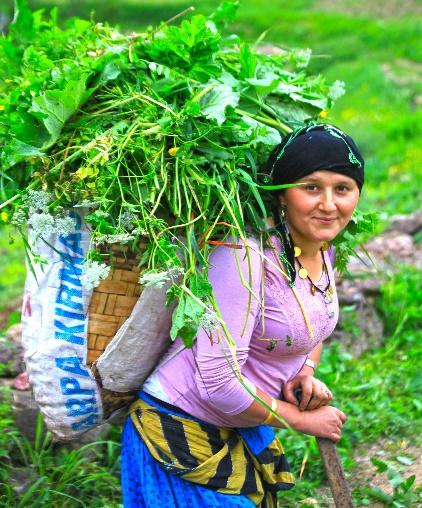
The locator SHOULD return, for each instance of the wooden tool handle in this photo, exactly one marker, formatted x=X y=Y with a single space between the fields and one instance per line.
x=335 y=474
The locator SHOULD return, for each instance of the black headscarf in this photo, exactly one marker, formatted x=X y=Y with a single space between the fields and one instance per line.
x=309 y=149
x=315 y=148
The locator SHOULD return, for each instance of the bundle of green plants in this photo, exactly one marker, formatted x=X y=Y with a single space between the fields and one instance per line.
x=159 y=136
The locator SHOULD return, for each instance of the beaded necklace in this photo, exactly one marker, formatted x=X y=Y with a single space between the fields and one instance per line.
x=328 y=290
x=291 y=283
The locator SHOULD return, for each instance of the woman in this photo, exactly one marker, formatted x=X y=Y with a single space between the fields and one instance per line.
x=198 y=436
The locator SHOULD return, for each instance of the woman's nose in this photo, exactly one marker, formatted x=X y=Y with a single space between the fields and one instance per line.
x=328 y=201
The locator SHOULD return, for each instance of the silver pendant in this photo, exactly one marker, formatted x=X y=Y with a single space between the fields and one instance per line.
x=331 y=314
x=327 y=299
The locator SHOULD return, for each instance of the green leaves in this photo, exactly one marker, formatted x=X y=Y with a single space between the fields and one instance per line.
x=225 y=13
x=215 y=102
x=163 y=135
x=403 y=493
x=185 y=319
x=22 y=26
x=359 y=229
x=18 y=150
x=262 y=133
x=55 y=107
x=194 y=42
x=190 y=309
x=248 y=62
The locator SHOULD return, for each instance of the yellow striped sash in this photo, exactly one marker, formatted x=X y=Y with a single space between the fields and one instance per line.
x=217 y=458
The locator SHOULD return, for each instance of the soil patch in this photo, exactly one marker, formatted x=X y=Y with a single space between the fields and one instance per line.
x=405 y=457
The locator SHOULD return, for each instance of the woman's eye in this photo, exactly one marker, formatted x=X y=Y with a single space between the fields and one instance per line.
x=311 y=187
x=342 y=188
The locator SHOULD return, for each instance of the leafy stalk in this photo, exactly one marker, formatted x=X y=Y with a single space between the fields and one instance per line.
x=160 y=136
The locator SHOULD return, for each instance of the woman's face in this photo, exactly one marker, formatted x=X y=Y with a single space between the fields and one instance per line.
x=321 y=207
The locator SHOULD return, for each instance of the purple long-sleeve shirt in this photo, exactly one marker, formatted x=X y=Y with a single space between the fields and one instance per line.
x=271 y=347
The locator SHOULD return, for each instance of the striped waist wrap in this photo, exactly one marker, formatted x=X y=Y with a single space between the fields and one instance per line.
x=248 y=461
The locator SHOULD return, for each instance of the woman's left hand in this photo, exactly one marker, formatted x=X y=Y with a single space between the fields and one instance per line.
x=314 y=392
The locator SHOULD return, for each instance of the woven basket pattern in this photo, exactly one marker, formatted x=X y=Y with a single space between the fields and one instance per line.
x=113 y=300
x=111 y=304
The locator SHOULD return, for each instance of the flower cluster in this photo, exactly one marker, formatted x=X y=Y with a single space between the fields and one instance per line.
x=139 y=231
x=64 y=226
x=44 y=224
x=127 y=220
x=209 y=320
x=19 y=217
x=94 y=273
x=337 y=90
x=35 y=213
x=302 y=57
x=37 y=200
x=158 y=279
x=86 y=203
x=116 y=238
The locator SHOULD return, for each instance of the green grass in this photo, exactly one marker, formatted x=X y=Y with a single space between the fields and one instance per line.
x=12 y=273
x=59 y=476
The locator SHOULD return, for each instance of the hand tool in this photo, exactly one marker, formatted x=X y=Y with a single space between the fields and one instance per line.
x=334 y=470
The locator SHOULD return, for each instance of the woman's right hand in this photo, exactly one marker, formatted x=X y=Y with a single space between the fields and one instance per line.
x=326 y=421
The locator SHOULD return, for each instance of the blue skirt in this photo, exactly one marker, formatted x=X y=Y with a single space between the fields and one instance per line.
x=146 y=485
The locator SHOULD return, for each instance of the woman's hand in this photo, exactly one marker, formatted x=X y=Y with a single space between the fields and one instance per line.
x=326 y=421
x=314 y=394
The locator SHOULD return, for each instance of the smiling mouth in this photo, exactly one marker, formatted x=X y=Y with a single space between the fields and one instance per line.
x=325 y=219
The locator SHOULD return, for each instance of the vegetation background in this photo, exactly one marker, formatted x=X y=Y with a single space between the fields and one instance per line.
x=374 y=47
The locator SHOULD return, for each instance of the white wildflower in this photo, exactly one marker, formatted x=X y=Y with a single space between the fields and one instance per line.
x=19 y=217
x=117 y=238
x=337 y=90
x=94 y=273
x=43 y=224
x=86 y=203
x=209 y=320
x=302 y=57
x=176 y=272
x=64 y=226
x=158 y=279
x=37 y=200
x=127 y=219
x=140 y=231
x=100 y=213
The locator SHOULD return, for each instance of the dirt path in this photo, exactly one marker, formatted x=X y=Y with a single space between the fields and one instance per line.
x=404 y=456
x=366 y=474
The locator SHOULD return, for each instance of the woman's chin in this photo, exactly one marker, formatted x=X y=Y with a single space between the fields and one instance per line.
x=326 y=236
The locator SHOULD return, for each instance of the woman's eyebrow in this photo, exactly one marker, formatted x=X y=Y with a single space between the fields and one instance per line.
x=313 y=179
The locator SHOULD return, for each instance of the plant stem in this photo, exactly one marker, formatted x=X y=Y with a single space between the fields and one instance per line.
x=267 y=121
x=185 y=11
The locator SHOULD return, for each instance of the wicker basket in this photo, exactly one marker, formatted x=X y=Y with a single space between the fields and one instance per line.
x=111 y=304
